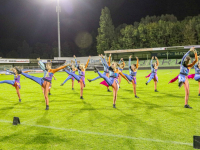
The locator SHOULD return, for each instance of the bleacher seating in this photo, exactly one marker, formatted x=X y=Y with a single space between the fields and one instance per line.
x=142 y=64
x=162 y=62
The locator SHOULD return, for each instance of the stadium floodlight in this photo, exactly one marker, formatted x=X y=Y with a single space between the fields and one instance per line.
x=58 y=10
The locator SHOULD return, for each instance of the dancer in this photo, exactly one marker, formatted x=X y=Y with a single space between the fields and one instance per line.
x=133 y=71
x=106 y=73
x=81 y=77
x=154 y=68
x=112 y=81
x=43 y=67
x=45 y=82
x=184 y=70
x=121 y=67
x=16 y=81
x=72 y=70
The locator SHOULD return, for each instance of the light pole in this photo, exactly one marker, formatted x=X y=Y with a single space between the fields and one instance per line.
x=58 y=10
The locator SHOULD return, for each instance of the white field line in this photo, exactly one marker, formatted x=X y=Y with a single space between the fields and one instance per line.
x=104 y=134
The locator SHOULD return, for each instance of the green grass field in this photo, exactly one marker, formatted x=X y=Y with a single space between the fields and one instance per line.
x=154 y=121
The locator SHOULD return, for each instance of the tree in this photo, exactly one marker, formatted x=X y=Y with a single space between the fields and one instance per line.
x=12 y=54
x=105 y=31
x=66 y=51
x=24 y=50
x=175 y=34
x=189 y=33
x=117 y=42
x=7 y=45
x=142 y=35
x=129 y=38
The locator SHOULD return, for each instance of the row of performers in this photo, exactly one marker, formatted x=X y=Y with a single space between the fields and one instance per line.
x=112 y=75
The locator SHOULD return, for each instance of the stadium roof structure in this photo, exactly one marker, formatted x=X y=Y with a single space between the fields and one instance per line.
x=151 y=49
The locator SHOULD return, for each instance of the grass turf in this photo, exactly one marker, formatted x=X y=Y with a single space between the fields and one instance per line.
x=154 y=121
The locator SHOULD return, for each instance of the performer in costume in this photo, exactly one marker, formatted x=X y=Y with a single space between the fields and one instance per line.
x=154 y=68
x=72 y=70
x=121 y=67
x=133 y=71
x=106 y=72
x=81 y=77
x=43 y=67
x=45 y=82
x=184 y=70
x=112 y=81
x=16 y=81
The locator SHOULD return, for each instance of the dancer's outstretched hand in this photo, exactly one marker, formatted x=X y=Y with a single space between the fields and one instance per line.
x=152 y=57
x=130 y=56
x=38 y=59
x=136 y=57
x=156 y=57
x=110 y=55
x=74 y=56
x=192 y=49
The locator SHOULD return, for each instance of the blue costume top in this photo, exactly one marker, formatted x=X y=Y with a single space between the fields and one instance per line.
x=42 y=66
x=132 y=72
x=153 y=70
x=184 y=69
x=80 y=72
x=105 y=65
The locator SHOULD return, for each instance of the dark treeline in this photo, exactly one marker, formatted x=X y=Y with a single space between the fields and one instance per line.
x=13 y=48
x=151 y=31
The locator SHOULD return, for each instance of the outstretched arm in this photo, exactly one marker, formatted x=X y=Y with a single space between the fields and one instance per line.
x=194 y=62
x=137 y=62
x=57 y=69
x=124 y=76
x=76 y=61
x=191 y=49
x=27 y=71
x=157 y=61
x=109 y=60
x=87 y=63
x=129 y=63
x=102 y=60
x=41 y=64
x=120 y=61
x=11 y=72
x=124 y=64
x=105 y=63
x=152 y=63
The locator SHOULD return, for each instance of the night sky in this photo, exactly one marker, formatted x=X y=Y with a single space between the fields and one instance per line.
x=36 y=20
